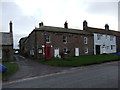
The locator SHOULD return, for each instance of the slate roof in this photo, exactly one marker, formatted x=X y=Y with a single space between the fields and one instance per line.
x=7 y=39
x=63 y=30
x=22 y=39
x=103 y=31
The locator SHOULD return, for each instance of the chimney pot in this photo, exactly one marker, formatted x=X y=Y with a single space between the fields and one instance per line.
x=106 y=27
x=84 y=25
x=40 y=24
x=10 y=26
x=66 y=25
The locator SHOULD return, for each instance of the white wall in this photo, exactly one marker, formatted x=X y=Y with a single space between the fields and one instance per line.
x=104 y=41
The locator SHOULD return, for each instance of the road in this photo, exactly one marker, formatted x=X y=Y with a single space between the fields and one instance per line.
x=29 y=68
x=93 y=76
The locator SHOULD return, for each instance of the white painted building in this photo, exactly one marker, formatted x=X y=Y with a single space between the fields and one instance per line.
x=104 y=39
x=104 y=43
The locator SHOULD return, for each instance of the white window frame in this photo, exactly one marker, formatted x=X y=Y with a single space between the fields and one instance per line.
x=111 y=38
x=85 y=40
x=107 y=47
x=40 y=51
x=32 y=52
x=86 y=50
x=106 y=36
x=112 y=47
x=65 y=39
x=98 y=36
x=47 y=38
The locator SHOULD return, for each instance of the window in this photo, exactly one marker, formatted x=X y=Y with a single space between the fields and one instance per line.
x=31 y=52
x=65 y=50
x=86 y=50
x=112 y=47
x=64 y=39
x=98 y=36
x=47 y=39
x=111 y=38
x=107 y=47
x=106 y=36
x=85 y=40
x=40 y=51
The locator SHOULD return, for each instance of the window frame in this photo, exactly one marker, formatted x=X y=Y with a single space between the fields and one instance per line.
x=85 y=40
x=98 y=36
x=65 y=51
x=112 y=47
x=65 y=39
x=86 y=50
x=47 y=39
x=111 y=38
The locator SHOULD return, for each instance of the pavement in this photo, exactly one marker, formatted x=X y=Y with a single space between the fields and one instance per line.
x=29 y=68
x=94 y=76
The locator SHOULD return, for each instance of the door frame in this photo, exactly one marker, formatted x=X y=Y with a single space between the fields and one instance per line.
x=58 y=51
x=97 y=49
x=77 y=50
x=48 y=52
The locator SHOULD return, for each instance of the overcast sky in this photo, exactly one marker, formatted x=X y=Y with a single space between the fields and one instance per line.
x=26 y=14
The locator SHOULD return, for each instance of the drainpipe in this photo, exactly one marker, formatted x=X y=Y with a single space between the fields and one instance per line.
x=36 y=51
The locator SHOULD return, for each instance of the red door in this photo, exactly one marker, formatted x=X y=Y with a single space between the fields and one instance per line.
x=48 y=52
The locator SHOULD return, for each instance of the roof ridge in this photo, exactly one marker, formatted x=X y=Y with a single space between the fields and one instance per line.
x=61 y=28
x=102 y=29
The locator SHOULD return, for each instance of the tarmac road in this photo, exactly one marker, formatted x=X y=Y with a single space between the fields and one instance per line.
x=93 y=76
x=29 y=68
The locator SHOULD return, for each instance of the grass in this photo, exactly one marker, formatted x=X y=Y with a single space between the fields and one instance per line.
x=81 y=60
x=12 y=67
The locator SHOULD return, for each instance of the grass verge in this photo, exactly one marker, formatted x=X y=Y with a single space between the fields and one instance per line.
x=12 y=67
x=81 y=60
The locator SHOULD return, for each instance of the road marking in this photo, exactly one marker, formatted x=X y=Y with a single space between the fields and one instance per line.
x=62 y=72
x=25 y=79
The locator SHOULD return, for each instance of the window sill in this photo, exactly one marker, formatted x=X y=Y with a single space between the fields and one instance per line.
x=64 y=42
x=48 y=42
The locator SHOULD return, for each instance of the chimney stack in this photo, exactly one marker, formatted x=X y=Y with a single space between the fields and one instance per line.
x=84 y=25
x=66 y=25
x=106 y=27
x=40 y=24
x=10 y=26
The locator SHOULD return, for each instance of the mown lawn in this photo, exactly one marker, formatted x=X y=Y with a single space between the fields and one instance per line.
x=81 y=60
x=12 y=67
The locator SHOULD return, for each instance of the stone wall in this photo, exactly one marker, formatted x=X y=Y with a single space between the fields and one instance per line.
x=36 y=40
x=7 y=53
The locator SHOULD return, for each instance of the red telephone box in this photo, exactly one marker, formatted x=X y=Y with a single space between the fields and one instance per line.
x=48 y=51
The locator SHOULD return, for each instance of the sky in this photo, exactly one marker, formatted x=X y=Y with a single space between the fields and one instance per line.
x=27 y=14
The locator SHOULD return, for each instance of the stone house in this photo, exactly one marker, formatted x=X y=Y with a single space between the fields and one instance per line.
x=105 y=40
x=22 y=45
x=6 y=45
x=50 y=42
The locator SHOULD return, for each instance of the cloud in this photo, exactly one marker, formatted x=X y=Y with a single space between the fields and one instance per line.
x=26 y=14
x=10 y=11
x=103 y=8
x=17 y=38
